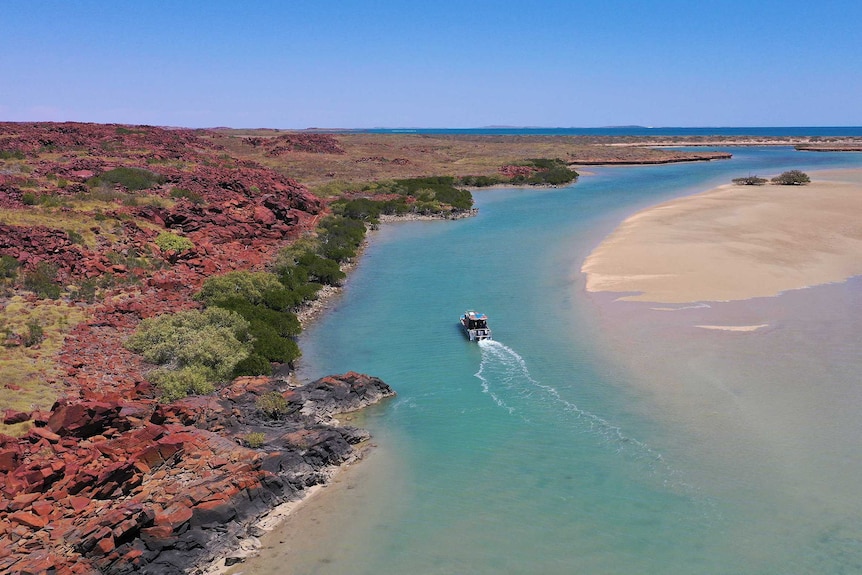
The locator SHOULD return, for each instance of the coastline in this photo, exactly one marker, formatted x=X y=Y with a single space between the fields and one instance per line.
x=313 y=309
x=251 y=545
x=221 y=562
x=735 y=242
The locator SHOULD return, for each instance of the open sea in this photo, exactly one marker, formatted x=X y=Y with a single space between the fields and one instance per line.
x=590 y=436
x=782 y=131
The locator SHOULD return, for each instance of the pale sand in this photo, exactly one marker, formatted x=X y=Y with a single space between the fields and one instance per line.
x=251 y=546
x=736 y=242
x=743 y=328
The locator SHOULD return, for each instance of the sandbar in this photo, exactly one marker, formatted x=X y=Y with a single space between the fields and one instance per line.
x=735 y=242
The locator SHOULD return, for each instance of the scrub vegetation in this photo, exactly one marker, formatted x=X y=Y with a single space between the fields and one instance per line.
x=31 y=335
x=791 y=178
x=194 y=349
x=250 y=321
x=132 y=179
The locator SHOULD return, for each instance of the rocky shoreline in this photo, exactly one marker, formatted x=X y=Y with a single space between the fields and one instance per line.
x=108 y=479
x=142 y=487
x=389 y=218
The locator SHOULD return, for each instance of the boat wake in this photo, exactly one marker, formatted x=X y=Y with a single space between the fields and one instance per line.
x=507 y=380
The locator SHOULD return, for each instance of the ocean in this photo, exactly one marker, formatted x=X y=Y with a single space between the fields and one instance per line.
x=775 y=132
x=590 y=436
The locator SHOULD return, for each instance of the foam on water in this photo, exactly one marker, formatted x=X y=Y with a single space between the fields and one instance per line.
x=507 y=380
x=569 y=445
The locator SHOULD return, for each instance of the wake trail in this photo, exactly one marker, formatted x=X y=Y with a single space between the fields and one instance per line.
x=507 y=380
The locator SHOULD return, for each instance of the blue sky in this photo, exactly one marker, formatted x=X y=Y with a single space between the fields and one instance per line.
x=362 y=64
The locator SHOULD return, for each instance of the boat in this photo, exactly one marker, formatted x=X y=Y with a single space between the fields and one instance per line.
x=475 y=326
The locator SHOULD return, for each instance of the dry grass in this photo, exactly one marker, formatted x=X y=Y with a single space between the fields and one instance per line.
x=73 y=219
x=30 y=368
x=372 y=157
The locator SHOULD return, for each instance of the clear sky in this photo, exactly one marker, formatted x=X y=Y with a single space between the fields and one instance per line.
x=439 y=63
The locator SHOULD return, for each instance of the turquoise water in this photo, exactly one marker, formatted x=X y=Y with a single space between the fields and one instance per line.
x=589 y=436
x=773 y=132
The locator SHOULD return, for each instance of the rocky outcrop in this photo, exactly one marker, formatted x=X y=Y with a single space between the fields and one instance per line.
x=135 y=486
x=297 y=142
x=98 y=140
x=512 y=171
x=109 y=480
x=227 y=207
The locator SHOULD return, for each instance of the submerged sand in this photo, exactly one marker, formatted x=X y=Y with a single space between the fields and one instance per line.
x=736 y=242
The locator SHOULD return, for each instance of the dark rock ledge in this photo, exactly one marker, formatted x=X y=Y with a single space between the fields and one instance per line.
x=139 y=487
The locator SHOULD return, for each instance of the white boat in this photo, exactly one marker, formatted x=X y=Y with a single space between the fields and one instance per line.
x=475 y=325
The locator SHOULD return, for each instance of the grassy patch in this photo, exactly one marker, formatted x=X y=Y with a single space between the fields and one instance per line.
x=130 y=178
x=78 y=223
x=30 y=367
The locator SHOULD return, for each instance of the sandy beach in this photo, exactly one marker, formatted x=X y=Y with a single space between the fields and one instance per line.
x=735 y=242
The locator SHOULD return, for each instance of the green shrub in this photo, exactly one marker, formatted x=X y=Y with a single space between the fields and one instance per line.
x=749 y=181
x=272 y=332
x=75 y=237
x=177 y=384
x=169 y=241
x=282 y=299
x=553 y=172
x=51 y=201
x=132 y=179
x=268 y=344
x=254 y=440
x=8 y=267
x=212 y=342
x=86 y=291
x=791 y=178
x=34 y=334
x=272 y=404
x=284 y=323
x=322 y=270
x=29 y=199
x=43 y=281
x=193 y=197
x=243 y=285
x=340 y=237
x=254 y=364
x=443 y=190
x=479 y=181
x=11 y=155
x=364 y=209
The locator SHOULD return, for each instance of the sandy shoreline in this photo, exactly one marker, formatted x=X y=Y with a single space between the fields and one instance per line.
x=735 y=242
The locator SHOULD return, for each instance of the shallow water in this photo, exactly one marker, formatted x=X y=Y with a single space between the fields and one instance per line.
x=591 y=435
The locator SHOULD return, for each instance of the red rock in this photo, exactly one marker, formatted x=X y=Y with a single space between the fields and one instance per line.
x=43 y=508
x=28 y=519
x=157 y=531
x=11 y=417
x=132 y=555
x=44 y=433
x=264 y=215
x=9 y=459
x=175 y=515
x=23 y=500
x=79 y=503
x=105 y=546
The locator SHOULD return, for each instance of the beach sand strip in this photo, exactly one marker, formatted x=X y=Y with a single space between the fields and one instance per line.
x=735 y=242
